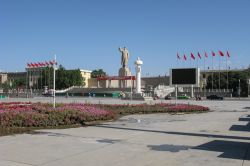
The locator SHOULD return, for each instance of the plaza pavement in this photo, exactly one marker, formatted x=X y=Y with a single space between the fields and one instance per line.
x=217 y=138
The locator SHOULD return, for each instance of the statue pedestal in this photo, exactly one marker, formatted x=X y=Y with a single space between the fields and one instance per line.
x=124 y=71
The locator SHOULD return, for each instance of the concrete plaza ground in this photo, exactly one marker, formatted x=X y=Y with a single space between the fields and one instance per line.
x=219 y=137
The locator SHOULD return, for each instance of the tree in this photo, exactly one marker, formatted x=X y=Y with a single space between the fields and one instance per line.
x=47 y=77
x=17 y=83
x=74 y=77
x=98 y=73
x=233 y=81
x=64 y=78
x=5 y=85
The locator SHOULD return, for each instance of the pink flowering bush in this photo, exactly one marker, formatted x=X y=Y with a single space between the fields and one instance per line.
x=157 y=108
x=44 y=115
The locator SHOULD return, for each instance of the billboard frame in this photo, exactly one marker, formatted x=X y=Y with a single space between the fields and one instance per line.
x=197 y=81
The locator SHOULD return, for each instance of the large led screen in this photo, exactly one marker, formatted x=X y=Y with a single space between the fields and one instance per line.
x=186 y=76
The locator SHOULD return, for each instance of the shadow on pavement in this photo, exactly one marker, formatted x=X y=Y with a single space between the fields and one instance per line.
x=229 y=149
x=245 y=128
x=169 y=148
x=240 y=128
x=109 y=141
x=244 y=119
x=176 y=133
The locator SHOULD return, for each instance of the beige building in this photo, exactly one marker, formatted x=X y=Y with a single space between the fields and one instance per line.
x=3 y=78
x=86 y=74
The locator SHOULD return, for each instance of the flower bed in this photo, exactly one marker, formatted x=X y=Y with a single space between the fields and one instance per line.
x=21 y=115
x=156 y=108
x=43 y=115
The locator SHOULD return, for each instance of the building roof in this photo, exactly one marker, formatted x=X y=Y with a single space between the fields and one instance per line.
x=87 y=71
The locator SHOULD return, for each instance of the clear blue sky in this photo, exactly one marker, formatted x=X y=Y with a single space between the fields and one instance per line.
x=86 y=34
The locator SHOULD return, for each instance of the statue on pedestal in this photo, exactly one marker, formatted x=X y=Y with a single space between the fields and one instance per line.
x=124 y=70
x=125 y=56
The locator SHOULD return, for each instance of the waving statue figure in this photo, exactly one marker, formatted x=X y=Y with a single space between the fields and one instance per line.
x=125 y=56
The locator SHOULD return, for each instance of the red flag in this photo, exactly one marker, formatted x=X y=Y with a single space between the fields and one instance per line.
x=192 y=56
x=228 y=55
x=205 y=54
x=28 y=65
x=46 y=63
x=213 y=53
x=184 y=57
x=40 y=64
x=178 y=56
x=199 y=55
x=221 y=53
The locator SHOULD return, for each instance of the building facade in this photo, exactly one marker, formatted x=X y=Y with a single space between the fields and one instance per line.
x=3 y=78
x=86 y=75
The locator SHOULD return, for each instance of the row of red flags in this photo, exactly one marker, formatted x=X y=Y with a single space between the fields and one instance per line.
x=41 y=64
x=220 y=53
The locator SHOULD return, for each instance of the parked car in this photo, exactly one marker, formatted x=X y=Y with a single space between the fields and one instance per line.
x=167 y=98
x=49 y=93
x=214 y=97
x=183 y=97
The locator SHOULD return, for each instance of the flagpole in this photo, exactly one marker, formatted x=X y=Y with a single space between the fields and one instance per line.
x=204 y=75
x=212 y=73
x=185 y=60
x=204 y=64
x=219 y=70
x=48 y=80
x=41 y=79
x=27 y=80
x=190 y=63
x=182 y=64
x=45 y=75
x=54 y=86
x=227 y=70
x=197 y=62
x=37 y=75
x=177 y=61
